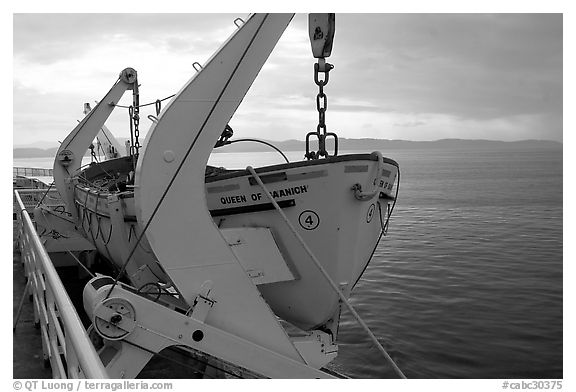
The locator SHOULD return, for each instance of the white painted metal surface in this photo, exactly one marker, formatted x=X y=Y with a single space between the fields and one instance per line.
x=258 y=253
x=169 y=187
x=160 y=327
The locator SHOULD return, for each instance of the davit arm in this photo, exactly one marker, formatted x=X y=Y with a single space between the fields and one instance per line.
x=170 y=195
x=69 y=156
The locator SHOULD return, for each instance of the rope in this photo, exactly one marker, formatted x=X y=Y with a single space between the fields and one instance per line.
x=99 y=166
x=98 y=223
x=263 y=142
x=383 y=225
x=44 y=195
x=53 y=233
x=161 y=291
x=88 y=214
x=109 y=237
x=80 y=264
x=146 y=104
x=323 y=271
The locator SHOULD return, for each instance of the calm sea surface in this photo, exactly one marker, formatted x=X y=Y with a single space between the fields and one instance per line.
x=468 y=282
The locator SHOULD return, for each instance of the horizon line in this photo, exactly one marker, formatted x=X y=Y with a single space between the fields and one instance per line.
x=28 y=145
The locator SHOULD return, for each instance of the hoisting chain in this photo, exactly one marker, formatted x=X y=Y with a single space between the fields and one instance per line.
x=131 y=115
x=92 y=153
x=136 y=116
x=321 y=105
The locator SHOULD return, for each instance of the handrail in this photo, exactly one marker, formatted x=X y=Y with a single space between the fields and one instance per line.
x=31 y=171
x=81 y=357
x=31 y=197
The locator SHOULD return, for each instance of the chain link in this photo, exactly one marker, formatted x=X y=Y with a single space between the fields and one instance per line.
x=321 y=105
x=131 y=121
x=136 y=116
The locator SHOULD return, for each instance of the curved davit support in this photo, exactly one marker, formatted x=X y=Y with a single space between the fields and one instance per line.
x=170 y=192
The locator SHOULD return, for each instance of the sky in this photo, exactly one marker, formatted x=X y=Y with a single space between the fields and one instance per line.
x=395 y=76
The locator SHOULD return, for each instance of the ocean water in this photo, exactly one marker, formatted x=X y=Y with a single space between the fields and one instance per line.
x=468 y=281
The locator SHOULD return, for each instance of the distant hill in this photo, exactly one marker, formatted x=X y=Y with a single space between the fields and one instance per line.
x=33 y=152
x=349 y=144
x=40 y=144
x=386 y=144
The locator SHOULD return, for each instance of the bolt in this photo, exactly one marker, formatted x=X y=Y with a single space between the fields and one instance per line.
x=116 y=319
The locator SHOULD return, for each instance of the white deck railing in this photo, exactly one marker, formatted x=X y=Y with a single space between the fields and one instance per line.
x=31 y=171
x=62 y=331
x=32 y=197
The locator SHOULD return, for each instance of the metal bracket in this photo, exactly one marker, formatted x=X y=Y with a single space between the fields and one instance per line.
x=197 y=66
x=360 y=195
x=114 y=318
x=321 y=28
x=203 y=302
x=159 y=327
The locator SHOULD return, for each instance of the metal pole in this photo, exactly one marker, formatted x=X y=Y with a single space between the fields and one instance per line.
x=20 y=306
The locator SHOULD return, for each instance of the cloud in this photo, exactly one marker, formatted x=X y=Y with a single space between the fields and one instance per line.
x=479 y=66
x=48 y=38
x=409 y=76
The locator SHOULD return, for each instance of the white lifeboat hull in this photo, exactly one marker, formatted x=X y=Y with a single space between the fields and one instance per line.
x=316 y=197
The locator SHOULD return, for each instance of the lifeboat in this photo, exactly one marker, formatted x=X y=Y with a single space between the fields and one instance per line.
x=320 y=197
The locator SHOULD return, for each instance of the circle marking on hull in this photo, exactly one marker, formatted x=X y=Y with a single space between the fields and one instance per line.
x=309 y=220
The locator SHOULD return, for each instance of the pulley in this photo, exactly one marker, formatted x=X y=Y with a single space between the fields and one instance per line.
x=321 y=28
x=114 y=318
x=129 y=75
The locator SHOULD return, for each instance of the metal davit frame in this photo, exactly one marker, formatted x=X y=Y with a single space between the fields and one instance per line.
x=61 y=329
